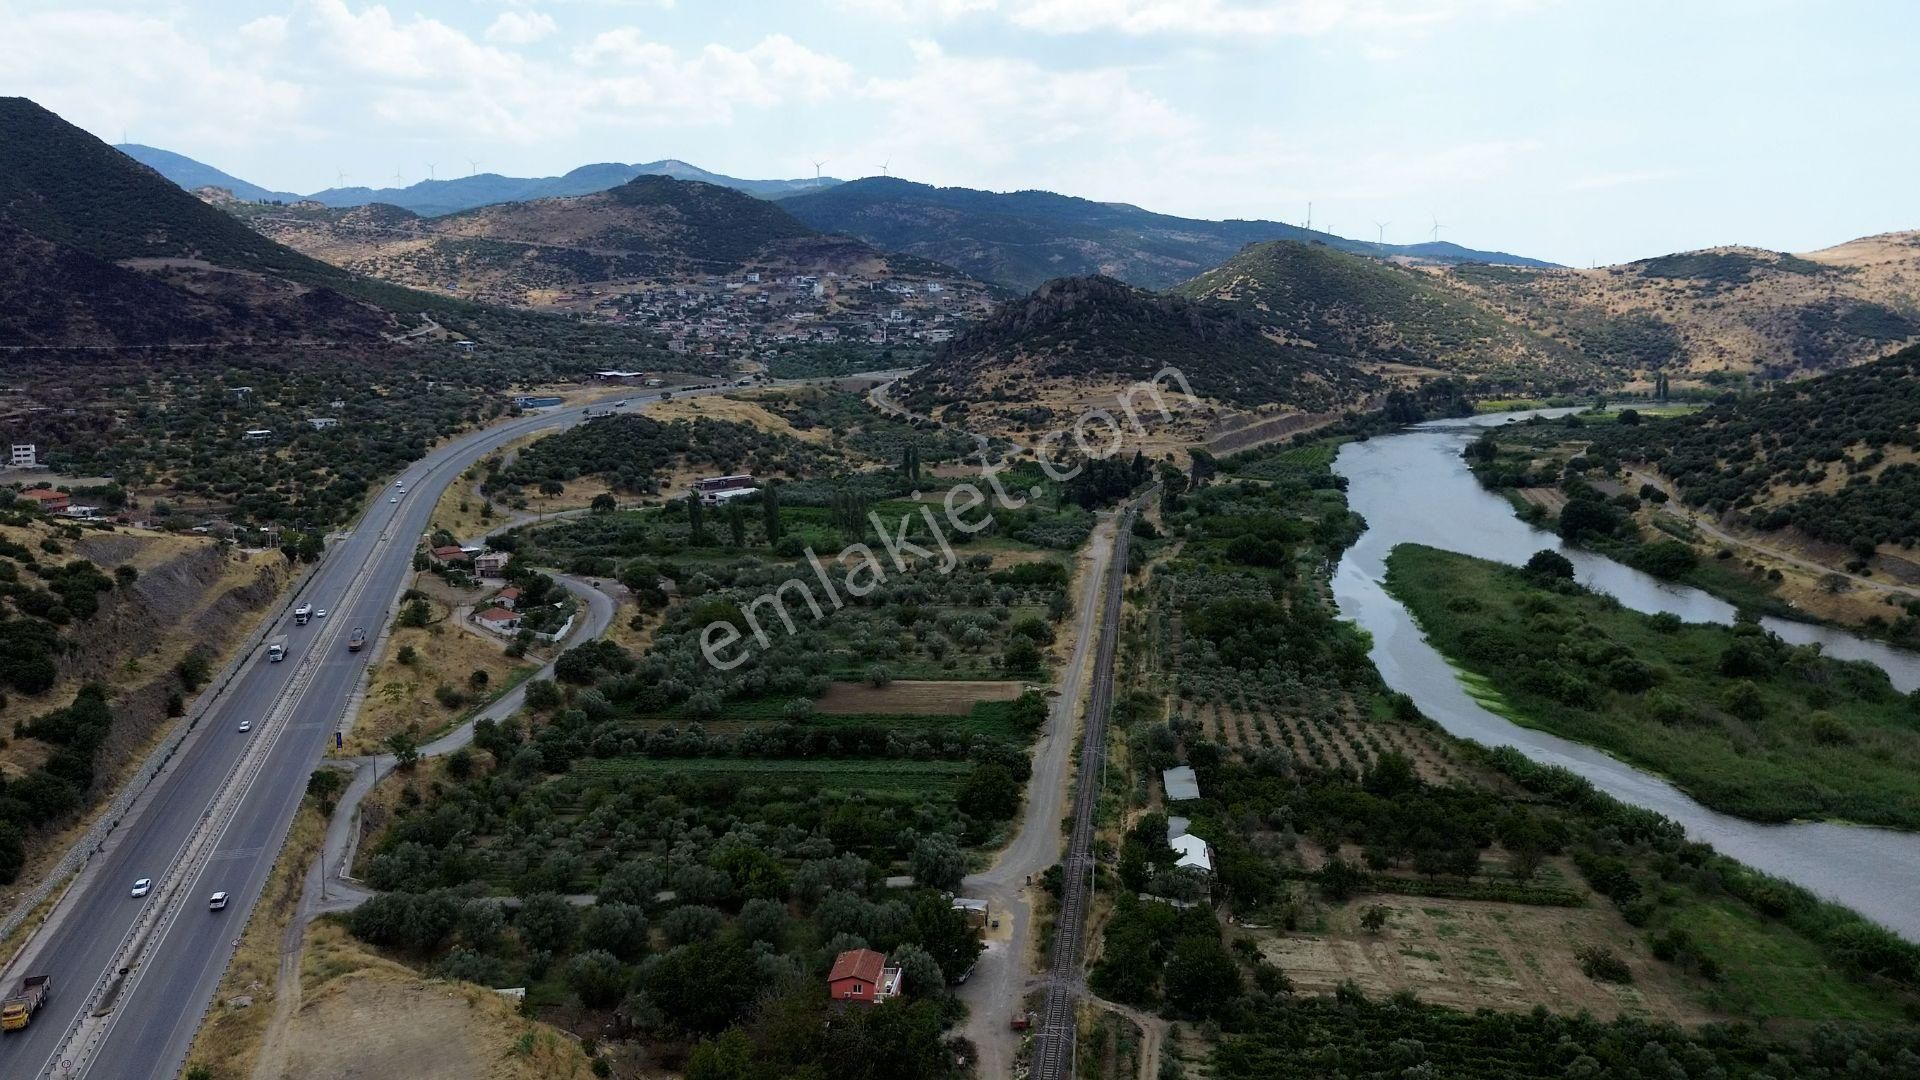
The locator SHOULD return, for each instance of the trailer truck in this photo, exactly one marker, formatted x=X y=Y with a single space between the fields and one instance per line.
x=277 y=649
x=18 y=1010
x=302 y=613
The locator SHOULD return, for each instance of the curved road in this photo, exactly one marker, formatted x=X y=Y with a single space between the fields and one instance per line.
x=182 y=947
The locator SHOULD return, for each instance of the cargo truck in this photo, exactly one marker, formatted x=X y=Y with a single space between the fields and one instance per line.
x=302 y=613
x=277 y=649
x=18 y=1010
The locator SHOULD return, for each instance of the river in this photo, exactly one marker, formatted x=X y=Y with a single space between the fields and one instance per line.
x=1414 y=487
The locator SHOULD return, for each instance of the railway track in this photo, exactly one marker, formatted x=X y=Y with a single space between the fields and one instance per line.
x=1053 y=1046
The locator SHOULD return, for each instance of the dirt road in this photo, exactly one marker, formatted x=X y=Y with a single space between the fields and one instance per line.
x=1002 y=977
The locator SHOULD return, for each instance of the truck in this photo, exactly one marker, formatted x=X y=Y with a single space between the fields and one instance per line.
x=18 y=1010
x=302 y=613
x=277 y=649
x=356 y=639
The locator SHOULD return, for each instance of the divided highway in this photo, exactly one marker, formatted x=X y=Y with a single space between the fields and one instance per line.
x=293 y=707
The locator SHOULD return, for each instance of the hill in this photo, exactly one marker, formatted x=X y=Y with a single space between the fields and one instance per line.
x=1833 y=457
x=1366 y=309
x=430 y=198
x=1023 y=238
x=1080 y=340
x=1719 y=313
x=99 y=250
x=651 y=229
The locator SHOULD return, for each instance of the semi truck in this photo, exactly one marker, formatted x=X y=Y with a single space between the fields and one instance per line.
x=302 y=613
x=277 y=649
x=18 y=1010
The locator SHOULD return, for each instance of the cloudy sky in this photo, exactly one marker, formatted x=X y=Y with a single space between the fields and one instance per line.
x=1573 y=130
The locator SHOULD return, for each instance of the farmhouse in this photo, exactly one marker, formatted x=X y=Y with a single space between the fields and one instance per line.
x=715 y=490
x=1190 y=851
x=508 y=598
x=49 y=500
x=862 y=976
x=1180 y=783
x=490 y=563
x=498 y=620
x=25 y=456
x=450 y=554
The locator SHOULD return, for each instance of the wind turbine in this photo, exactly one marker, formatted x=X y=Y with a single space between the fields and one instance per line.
x=397 y=182
x=339 y=178
x=1436 y=230
x=816 y=172
x=1309 y=215
x=472 y=166
x=883 y=169
x=1380 y=236
x=429 y=170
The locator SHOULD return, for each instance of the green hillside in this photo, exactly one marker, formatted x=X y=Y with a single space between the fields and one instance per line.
x=1102 y=330
x=1353 y=306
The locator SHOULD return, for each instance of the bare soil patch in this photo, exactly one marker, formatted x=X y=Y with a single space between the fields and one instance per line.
x=914 y=698
x=363 y=1016
x=1471 y=954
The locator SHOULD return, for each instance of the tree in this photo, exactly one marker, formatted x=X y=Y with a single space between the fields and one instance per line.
x=1201 y=977
x=602 y=503
x=922 y=975
x=620 y=929
x=737 y=524
x=1550 y=565
x=937 y=862
x=1022 y=656
x=406 y=752
x=547 y=921
x=597 y=978
x=1373 y=919
x=762 y=920
x=696 y=531
x=770 y=512
x=703 y=987
x=989 y=793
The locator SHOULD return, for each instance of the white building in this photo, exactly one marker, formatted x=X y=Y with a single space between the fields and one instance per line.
x=322 y=423
x=25 y=456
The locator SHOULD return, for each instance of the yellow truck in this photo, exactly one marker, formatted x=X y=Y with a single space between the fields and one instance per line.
x=19 y=1009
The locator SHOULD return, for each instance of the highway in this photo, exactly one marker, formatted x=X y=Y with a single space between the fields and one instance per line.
x=294 y=707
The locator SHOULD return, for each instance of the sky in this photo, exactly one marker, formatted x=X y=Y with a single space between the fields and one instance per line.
x=1580 y=131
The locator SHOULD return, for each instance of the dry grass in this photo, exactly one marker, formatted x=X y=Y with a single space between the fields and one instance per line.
x=229 y=1039
x=1471 y=954
x=914 y=698
x=400 y=697
x=362 y=1015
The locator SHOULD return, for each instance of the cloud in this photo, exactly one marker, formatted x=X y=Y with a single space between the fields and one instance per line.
x=1608 y=181
x=517 y=28
x=145 y=75
x=1249 y=18
x=915 y=11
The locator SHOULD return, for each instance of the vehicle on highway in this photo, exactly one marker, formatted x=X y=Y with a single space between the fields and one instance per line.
x=396 y=498
x=246 y=726
x=277 y=649
x=357 y=639
x=142 y=887
x=18 y=1010
x=302 y=613
x=322 y=613
x=399 y=483
x=217 y=902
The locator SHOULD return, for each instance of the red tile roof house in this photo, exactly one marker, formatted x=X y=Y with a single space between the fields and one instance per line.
x=862 y=976
x=508 y=598
x=498 y=620
x=49 y=500
x=452 y=553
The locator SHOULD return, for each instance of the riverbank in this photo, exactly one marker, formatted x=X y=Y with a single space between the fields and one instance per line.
x=1737 y=718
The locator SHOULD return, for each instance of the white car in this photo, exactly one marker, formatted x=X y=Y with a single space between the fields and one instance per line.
x=217 y=902
x=142 y=887
x=320 y=614
x=399 y=483
x=396 y=498
x=246 y=726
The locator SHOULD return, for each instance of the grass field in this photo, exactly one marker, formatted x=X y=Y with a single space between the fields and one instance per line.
x=1741 y=721
x=853 y=775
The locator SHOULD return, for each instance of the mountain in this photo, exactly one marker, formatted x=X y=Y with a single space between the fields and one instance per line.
x=100 y=250
x=1022 y=238
x=1076 y=341
x=1367 y=309
x=193 y=175
x=430 y=198
x=1719 y=312
x=651 y=229
x=97 y=249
